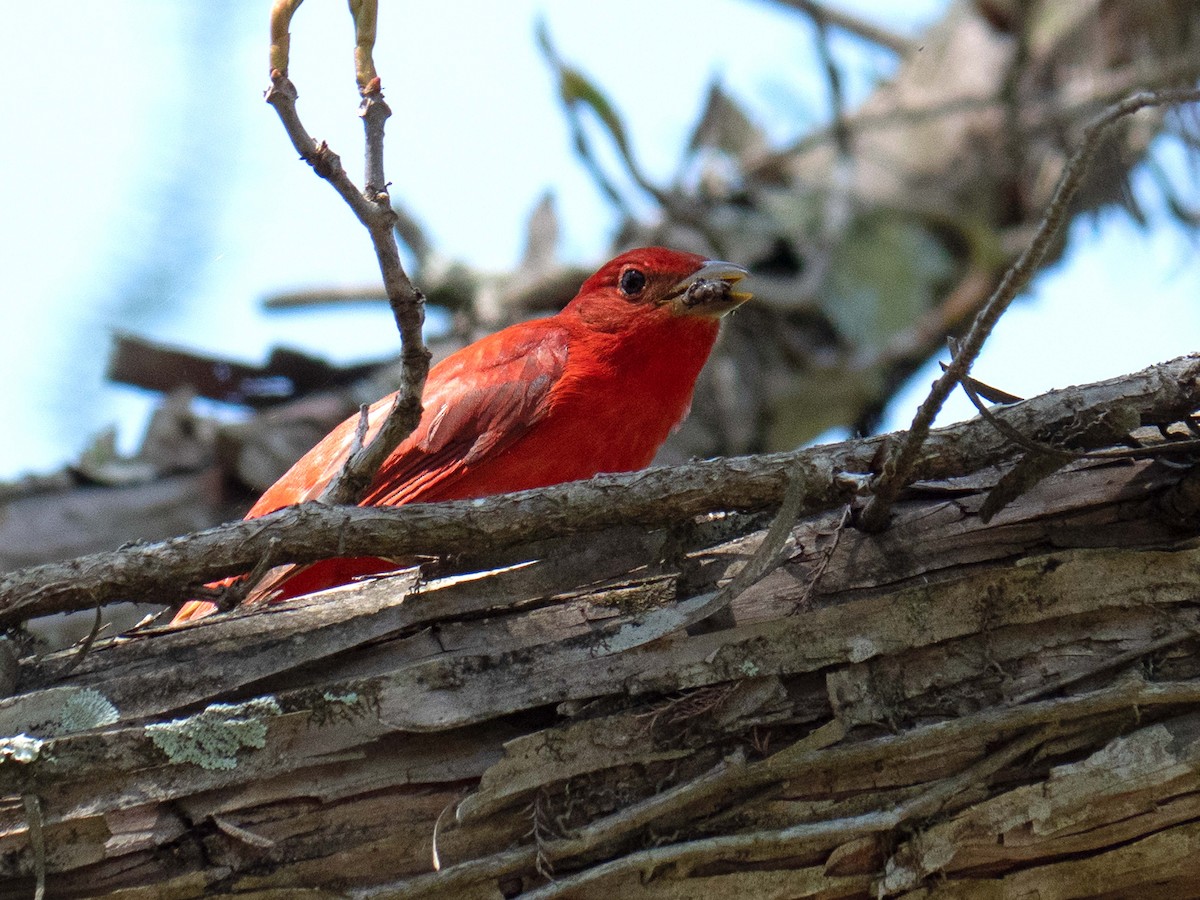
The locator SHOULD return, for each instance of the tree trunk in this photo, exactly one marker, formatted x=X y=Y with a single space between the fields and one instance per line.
x=993 y=697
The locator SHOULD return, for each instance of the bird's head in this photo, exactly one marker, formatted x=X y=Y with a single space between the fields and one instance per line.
x=654 y=284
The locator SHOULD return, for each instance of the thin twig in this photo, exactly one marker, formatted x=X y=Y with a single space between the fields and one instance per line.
x=579 y=136
x=607 y=831
x=324 y=296
x=838 y=200
x=682 y=210
x=1036 y=446
x=1036 y=117
x=826 y=555
x=833 y=78
x=899 y=466
x=767 y=556
x=361 y=427
x=244 y=835
x=1011 y=96
x=375 y=113
x=372 y=206
x=235 y=593
x=84 y=646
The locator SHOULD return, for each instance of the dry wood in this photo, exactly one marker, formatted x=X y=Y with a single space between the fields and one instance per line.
x=952 y=706
x=1156 y=396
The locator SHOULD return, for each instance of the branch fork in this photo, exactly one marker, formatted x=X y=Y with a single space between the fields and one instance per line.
x=372 y=207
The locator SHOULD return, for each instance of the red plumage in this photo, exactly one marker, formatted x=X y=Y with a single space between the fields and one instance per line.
x=596 y=388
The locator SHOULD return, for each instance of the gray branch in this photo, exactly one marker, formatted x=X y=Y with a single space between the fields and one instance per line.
x=164 y=571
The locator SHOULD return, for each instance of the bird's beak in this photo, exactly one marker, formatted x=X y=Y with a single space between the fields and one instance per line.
x=709 y=290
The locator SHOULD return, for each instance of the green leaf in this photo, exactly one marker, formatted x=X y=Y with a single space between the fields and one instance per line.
x=576 y=88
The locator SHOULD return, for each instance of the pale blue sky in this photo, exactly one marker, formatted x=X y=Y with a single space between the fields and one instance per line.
x=148 y=187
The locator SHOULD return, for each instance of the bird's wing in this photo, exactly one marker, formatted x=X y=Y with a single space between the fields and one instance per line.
x=477 y=401
x=483 y=399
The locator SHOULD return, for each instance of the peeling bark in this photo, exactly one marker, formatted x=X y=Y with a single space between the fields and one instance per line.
x=950 y=708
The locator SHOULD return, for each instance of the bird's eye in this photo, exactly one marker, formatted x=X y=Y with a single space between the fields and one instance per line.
x=632 y=282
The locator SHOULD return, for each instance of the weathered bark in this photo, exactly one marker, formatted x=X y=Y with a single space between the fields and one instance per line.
x=950 y=708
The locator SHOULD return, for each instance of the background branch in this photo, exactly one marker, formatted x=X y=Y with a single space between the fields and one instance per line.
x=869 y=31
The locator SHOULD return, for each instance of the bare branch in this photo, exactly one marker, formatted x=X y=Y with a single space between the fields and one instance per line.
x=375 y=113
x=163 y=572
x=833 y=77
x=767 y=556
x=575 y=91
x=324 y=296
x=1036 y=116
x=372 y=206
x=1181 y=445
x=845 y=21
x=899 y=466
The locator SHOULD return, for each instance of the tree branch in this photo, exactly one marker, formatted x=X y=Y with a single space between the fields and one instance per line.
x=845 y=21
x=372 y=206
x=164 y=571
x=900 y=464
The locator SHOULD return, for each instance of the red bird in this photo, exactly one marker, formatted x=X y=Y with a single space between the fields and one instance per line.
x=595 y=388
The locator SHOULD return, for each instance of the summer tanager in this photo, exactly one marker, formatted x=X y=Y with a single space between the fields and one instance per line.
x=596 y=388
